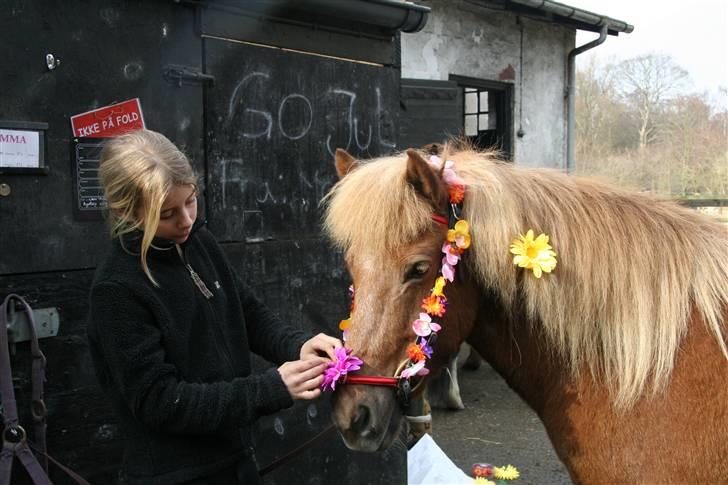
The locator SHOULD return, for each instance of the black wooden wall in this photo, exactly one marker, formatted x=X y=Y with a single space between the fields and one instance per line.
x=261 y=135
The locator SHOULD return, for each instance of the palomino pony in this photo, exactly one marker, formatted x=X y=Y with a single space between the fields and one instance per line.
x=621 y=350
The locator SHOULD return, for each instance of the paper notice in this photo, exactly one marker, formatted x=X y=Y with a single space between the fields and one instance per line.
x=427 y=464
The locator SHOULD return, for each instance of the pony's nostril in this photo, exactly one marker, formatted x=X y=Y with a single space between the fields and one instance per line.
x=361 y=420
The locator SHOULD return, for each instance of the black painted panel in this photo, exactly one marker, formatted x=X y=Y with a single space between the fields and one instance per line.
x=116 y=50
x=274 y=120
x=366 y=45
x=431 y=112
x=109 y=51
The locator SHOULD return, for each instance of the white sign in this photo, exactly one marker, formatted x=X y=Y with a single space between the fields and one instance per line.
x=427 y=464
x=19 y=149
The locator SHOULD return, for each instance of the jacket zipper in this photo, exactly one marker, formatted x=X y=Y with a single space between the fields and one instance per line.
x=222 y=346
x=195 y=277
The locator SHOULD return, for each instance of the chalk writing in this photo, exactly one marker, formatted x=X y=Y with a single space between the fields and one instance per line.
x=307 y=126
x=294 y=116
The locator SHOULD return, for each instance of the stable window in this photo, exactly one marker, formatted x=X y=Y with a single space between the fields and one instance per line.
x=487 y=113
x=476 y=111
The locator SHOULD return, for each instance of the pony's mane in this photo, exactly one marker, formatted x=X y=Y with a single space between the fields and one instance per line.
x=631 y=266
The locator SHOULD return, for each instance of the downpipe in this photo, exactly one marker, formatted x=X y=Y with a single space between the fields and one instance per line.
x=571 y=95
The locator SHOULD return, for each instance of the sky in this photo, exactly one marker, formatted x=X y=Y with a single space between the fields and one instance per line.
x=693 y=32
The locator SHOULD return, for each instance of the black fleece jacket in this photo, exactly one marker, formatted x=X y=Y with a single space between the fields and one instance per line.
x=176 y=364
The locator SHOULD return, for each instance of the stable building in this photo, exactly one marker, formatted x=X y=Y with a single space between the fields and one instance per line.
x=500 y=72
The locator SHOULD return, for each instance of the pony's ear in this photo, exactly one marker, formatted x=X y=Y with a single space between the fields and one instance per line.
x=425 y=180
x=344 y=162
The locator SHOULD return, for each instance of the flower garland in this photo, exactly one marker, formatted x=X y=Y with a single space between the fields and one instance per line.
x=434 y=305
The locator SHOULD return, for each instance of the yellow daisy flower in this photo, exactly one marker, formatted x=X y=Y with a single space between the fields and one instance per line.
x=534 y=254
x=508 y=472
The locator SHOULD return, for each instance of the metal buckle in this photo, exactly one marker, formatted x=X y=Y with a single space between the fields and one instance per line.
x=403 y=392
x=13 y=435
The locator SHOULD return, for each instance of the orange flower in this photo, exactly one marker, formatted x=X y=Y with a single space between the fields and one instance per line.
x=344 y=324
x=415 y=353
x=457 y=193
x=435 y=305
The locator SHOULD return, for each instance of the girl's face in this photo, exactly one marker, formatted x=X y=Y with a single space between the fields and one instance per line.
x=178 y=213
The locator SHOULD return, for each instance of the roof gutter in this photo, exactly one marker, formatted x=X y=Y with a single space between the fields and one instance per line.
x=582 y=17
x=571 y=95
x=383 y=16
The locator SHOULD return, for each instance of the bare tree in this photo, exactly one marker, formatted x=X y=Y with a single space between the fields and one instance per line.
x=647 y=82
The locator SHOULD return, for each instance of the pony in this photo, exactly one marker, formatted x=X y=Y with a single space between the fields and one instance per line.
x=621 y=350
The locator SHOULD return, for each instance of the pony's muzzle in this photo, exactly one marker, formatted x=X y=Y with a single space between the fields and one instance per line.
x=368 y=418
x=360 y=423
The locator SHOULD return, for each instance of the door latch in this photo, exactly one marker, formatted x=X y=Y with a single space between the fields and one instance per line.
x=186 y=75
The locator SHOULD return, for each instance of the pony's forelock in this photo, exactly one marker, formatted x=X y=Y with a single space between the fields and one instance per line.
x=373 y=209
x=631 y=267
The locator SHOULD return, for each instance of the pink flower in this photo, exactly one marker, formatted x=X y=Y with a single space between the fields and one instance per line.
x=450 y=176
x=417 y=369
x=424 y=325
x=339 y=367
x=435 y=162
x=452 y=255
x=448 y=272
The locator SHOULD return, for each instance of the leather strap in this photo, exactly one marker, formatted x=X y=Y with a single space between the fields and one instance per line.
x=14 y=438
x=15 y=443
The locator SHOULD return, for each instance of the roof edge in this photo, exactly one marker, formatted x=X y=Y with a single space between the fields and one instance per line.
x=582 y=19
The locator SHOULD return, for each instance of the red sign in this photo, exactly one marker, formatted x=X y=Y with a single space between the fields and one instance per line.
x=110 y=120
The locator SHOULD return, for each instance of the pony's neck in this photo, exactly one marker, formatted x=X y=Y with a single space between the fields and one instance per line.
x=512 y=349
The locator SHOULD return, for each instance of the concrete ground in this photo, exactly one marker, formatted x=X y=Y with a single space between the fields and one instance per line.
x=496 y=427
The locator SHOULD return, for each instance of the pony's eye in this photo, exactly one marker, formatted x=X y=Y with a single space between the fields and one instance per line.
x=417 y=270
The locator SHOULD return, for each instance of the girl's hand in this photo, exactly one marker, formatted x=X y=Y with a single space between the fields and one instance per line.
x=319 y=345
x=303 y=377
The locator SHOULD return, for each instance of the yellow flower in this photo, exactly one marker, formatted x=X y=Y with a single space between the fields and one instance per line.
x=533 y=254
x=439 y=286
x=460 y=234
x=483 y=481
x=508 y=472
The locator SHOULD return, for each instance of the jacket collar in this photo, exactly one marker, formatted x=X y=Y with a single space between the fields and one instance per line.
x=132 y=241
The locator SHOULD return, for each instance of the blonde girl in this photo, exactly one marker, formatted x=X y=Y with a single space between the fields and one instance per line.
x=172 y=326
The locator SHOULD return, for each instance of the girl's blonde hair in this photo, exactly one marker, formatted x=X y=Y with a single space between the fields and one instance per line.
x=137 y=171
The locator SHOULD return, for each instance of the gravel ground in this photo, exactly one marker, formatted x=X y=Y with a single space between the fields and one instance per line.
x=497 y=427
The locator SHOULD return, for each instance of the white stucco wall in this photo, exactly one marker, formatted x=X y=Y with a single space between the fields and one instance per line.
x=470 y=40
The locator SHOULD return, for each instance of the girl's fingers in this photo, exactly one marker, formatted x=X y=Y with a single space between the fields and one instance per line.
x=310 y=394
x=310 y=370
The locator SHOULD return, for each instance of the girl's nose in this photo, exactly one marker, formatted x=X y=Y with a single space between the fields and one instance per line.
x=186 y=219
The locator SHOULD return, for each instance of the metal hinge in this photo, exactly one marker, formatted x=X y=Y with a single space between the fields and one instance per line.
x=180 y=75
x=46 y=324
